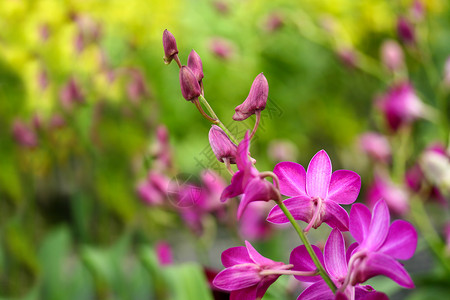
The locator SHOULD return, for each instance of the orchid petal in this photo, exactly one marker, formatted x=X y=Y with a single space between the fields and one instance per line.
x=318 y=175
x=300 y=207
x=379 y=226
x=366 y=292
x=318 y=290
x=350 y=250
x=242 y=160
x=401 y=241
x=292 y=178
x=235 y=256
x=359 y=221
x=334 y=254
x=382 y=264
x=244 y=294
x=302 y=261
x=335 y=216
x=256 y=257
x=256 y=190
x=235 y=188
x=344 y=187
x=238 y=277
x=264 y=285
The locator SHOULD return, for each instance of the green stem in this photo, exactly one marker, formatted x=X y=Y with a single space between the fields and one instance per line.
x=308 y=246
x=430 y=235
x=217 y=122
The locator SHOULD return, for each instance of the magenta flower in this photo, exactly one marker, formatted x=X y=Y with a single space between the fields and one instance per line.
x=153 y=191
x=255 y=101
x=224 y=149
x=248 y=274
x=380 y=245
x=334 y=259
x=376 y=146
x=24 y=134
x=395 y=196
x=316 y=194
x=247 y=180
x=221 y=47
x=253 y=225
x=71 y=93
x=401 y=106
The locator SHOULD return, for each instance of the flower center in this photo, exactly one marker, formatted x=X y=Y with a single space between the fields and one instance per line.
x=316 y=220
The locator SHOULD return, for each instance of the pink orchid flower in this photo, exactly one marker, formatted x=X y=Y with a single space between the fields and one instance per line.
x=317 y=193
x=380 y=245
x=335 y=260
x=248 y=274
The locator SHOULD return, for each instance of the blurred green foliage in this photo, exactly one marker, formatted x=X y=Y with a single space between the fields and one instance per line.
x=71 y=224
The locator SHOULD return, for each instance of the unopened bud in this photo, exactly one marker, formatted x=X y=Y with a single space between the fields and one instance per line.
x=190 y=89
x=256 y=99
x=195 y=64
x=392 y=55
x=405 y=31
x=221 y=145
x=376 y=146
x=170 y=46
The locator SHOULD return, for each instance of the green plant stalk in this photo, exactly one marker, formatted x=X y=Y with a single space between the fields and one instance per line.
x=432 y=238
x=218 y=122
x=305 y=241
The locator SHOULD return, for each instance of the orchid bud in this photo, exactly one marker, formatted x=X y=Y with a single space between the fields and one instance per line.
x=401 y=106
x=170 y=46
x=396 y=196
x=24 y=134
x=195 y=64
x=164 y=253
x=71 y=93
x=190 y=89
x=392 y=55
x=436 y=167
x=417 y=10
x=405 y=31
x=256 y=99
x=221 y=145
x=376 y=146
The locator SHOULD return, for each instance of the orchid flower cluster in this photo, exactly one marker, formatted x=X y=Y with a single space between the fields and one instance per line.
x=314 y=196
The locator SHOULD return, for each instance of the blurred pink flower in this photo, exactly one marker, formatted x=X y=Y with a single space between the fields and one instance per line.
x=253 y=224
x=405 y=31
x=376 y=146
x=396 y=197
x=136 y=87
x=24 y=134
x=164 y=253
x=70 y=94
x=153 y=191
x=282 y=150
x=392 y=55
x=221 y=47
x=401 y=106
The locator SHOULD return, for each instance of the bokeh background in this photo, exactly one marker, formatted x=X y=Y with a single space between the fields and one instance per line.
x=84 y=89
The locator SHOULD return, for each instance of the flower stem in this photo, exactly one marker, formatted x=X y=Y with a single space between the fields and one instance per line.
x=308 y=246
x=217 y=122
x=258 y=118
x=200 y=109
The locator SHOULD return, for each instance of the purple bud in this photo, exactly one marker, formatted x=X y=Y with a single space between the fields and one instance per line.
x=71 y=93
x=164 y=253
x=405 y=31
x=376 y=146
x=392 y=55
x=170 y=46
x=195 y=64
x=24 y=135
x=418 y=10
x=256 y=99
x=136 y=88
x=221 y=144
x=190 y=89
